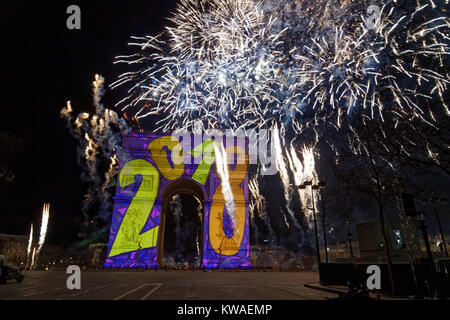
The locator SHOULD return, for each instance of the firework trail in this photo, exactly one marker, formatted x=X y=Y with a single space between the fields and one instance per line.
x=222 y=169
x=282 y=168
x=32 y=258
x=304 y=171
x=111 y=173
x=30 y=242
x=254 y=205
x=258 y=205
x=44 y=226
x=99 y=138
x=296 y=166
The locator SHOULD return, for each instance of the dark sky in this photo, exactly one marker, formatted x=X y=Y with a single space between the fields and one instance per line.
x=43 y=65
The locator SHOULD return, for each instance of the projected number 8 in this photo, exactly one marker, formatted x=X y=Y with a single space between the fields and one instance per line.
x=219 y=241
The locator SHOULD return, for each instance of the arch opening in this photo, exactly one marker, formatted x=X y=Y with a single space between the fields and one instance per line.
x=181 y=226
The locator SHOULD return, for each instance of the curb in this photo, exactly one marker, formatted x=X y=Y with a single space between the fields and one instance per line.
x=317 y=286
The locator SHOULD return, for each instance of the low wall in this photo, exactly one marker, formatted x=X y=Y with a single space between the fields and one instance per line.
x=341 y=273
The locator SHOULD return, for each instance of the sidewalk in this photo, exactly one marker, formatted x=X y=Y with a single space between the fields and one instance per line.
x=344 y=289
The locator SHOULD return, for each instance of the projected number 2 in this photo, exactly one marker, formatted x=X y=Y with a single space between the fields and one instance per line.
x=129 y=237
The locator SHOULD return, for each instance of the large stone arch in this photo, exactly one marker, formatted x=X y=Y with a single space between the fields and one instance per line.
x=137 y=226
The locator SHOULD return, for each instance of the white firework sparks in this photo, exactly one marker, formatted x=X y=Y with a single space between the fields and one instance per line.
x=218 y=64
x=303 y=170
x=222 y=169
x=258 y=205
x=284 y=175
x=30 y=241
x=44 y=226
x=252 y=64
x=32 y=258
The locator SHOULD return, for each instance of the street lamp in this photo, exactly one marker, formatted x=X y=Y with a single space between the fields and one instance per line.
x=313 y=187
x=421 y=219
x=349 y=238
x=322 y=186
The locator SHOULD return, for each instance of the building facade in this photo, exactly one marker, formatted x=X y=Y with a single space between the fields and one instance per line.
x=14 y=248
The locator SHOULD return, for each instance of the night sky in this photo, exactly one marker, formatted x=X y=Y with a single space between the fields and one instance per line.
x=43 y=65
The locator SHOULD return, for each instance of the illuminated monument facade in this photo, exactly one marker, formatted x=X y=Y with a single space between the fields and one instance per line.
x=149 y=178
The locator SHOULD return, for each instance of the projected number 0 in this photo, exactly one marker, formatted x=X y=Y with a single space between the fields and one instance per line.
x=130 y=237
x=219 y=241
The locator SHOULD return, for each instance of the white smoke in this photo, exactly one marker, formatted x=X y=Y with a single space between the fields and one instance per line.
x=99 y=141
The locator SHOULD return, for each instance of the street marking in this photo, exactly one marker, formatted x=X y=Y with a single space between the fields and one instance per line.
x=28 y=288
x=158 y=285
x=61 y=288
x=140 y=287
x=35 y=294
x=87 y=291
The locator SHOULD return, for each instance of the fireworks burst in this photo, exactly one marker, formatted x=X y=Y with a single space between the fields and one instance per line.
x=253 y=64
x=219 y=64
x=258 y=205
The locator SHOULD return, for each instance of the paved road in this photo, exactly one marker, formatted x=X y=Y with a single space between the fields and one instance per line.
x=162 y=285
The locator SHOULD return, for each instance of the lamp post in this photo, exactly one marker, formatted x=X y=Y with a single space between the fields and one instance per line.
x=421 y=219
x=349 y=238
x=313 y=187
x=322 y=186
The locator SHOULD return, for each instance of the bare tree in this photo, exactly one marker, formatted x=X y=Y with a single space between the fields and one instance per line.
x=377 y=155
x=413 y=143
x=16 y=252
x=364 y=169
